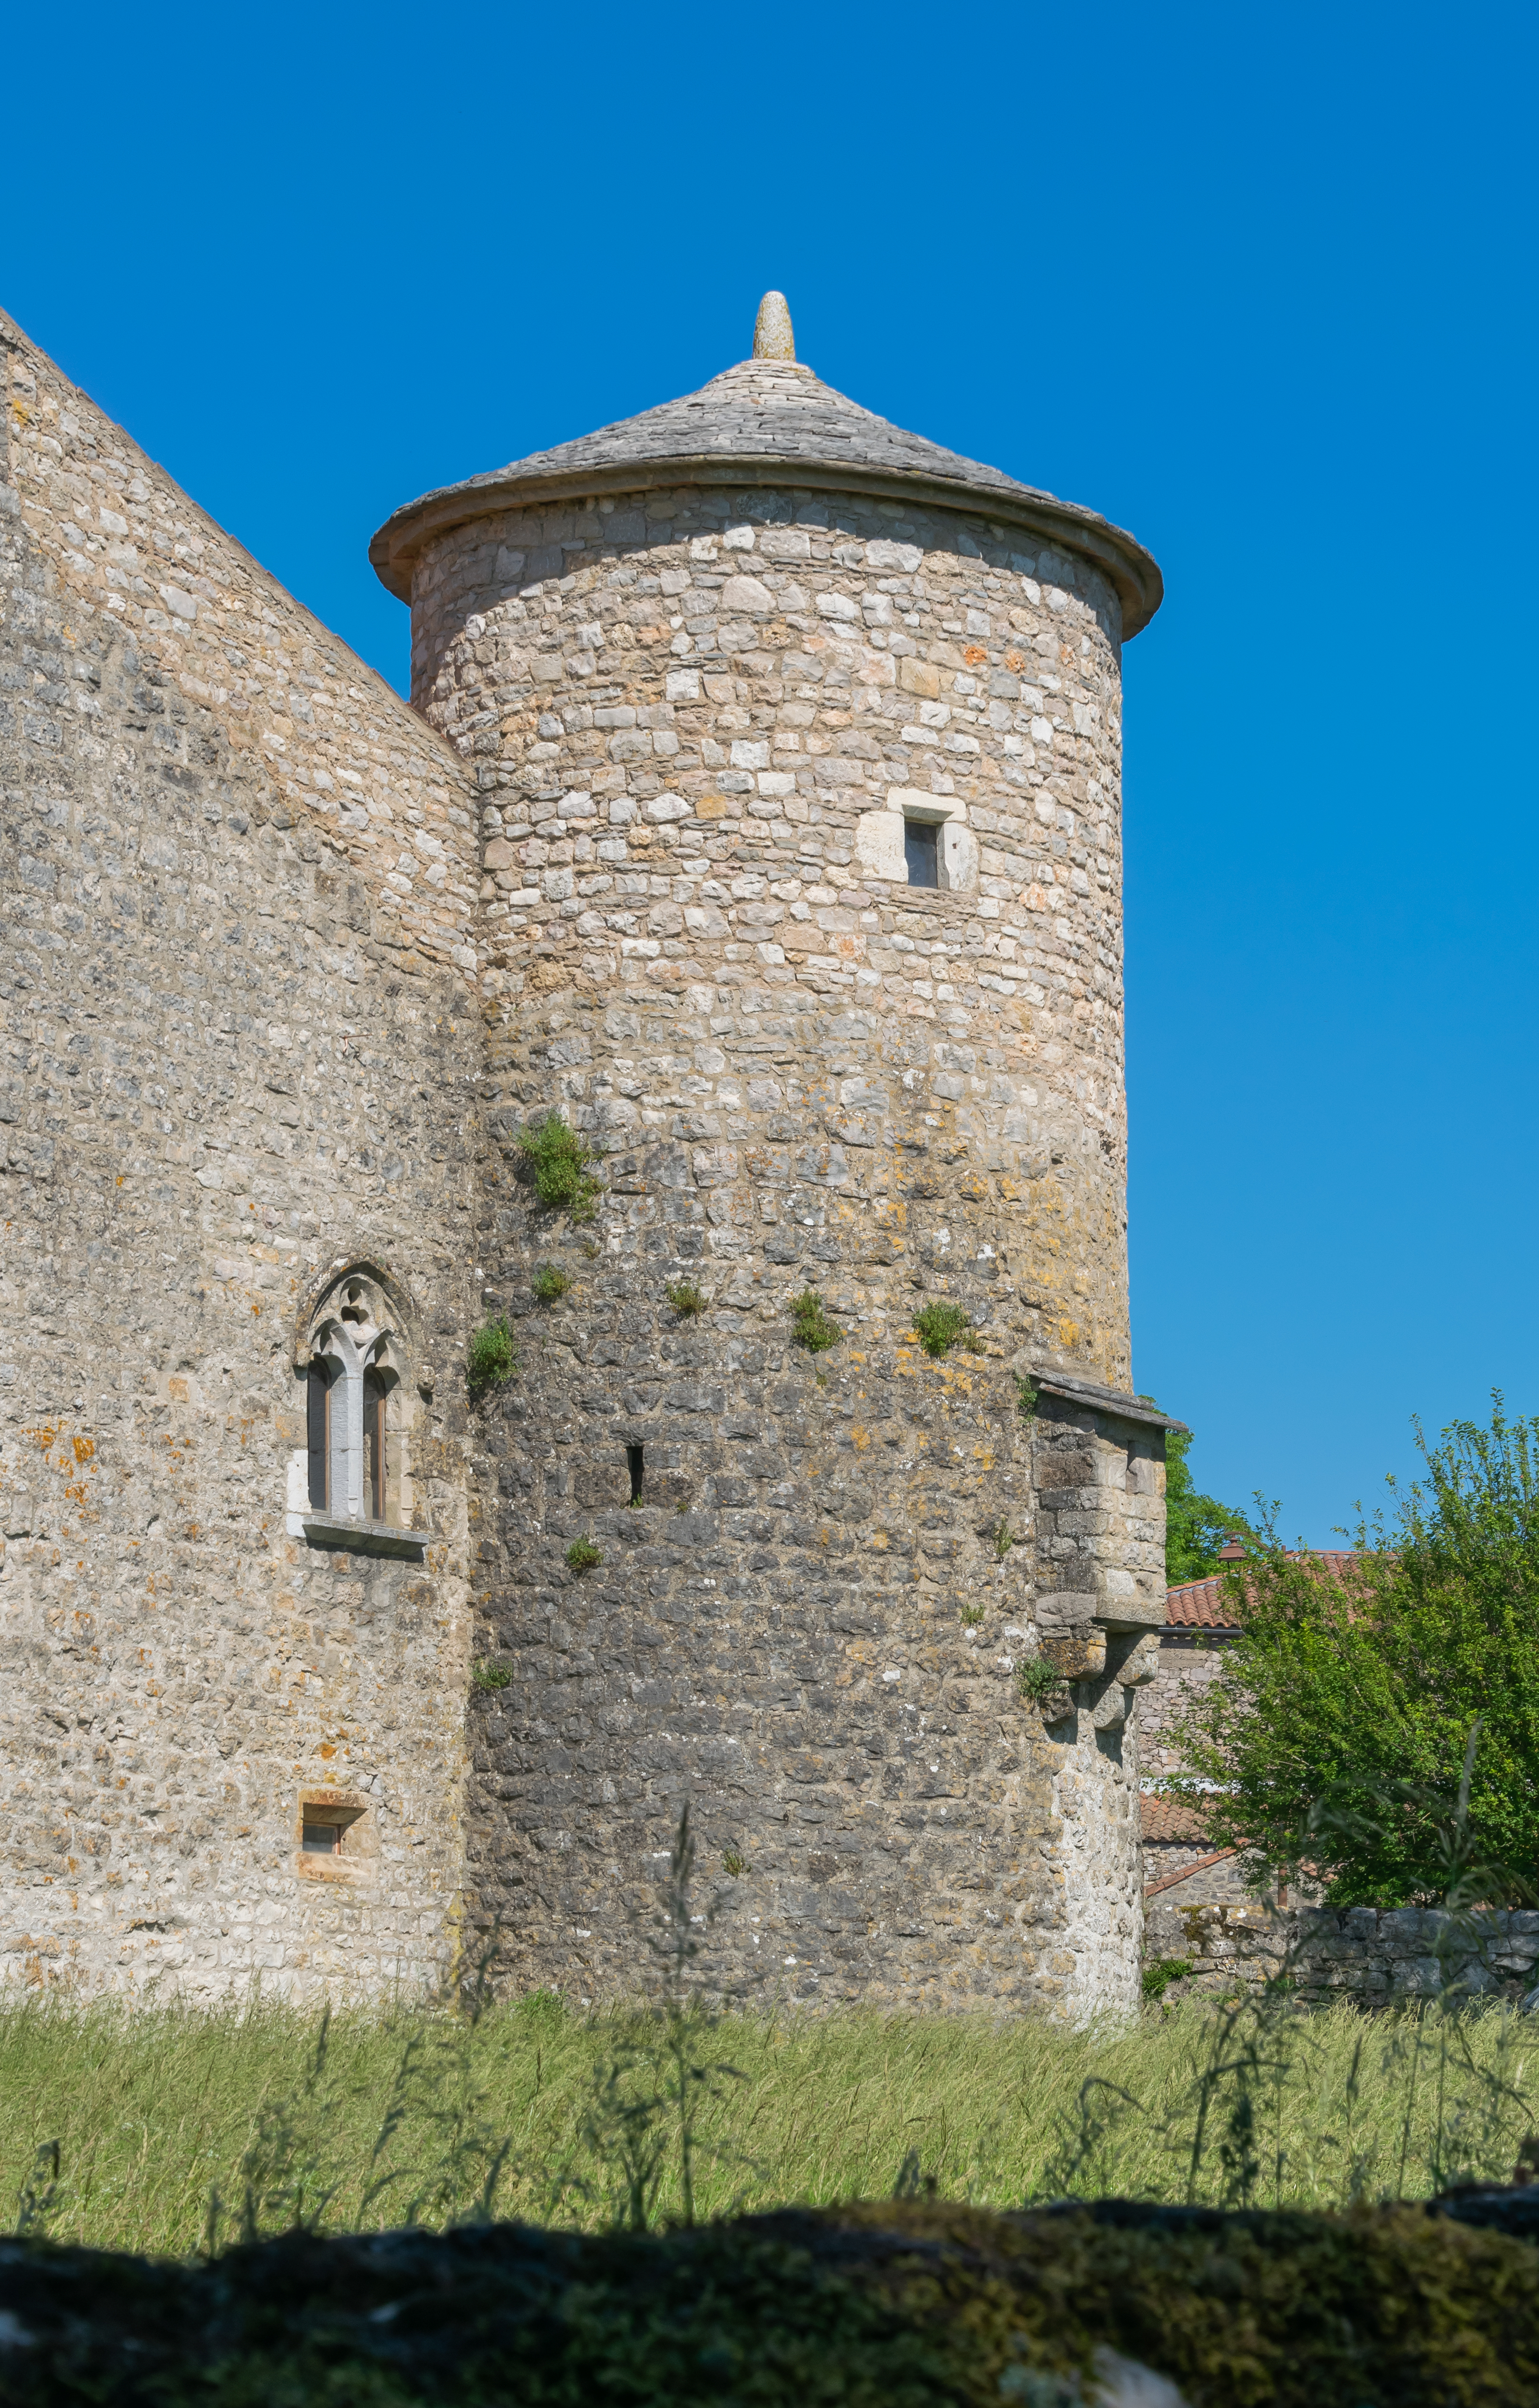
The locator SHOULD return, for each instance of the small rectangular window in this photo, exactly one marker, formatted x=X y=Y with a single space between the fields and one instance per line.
x=638 y=1472
x=920 y=852
x=321 y=1839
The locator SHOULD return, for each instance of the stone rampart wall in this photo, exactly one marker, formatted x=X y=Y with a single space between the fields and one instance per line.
x=240 y=1048
x=222 y=638
x=1374 y=1956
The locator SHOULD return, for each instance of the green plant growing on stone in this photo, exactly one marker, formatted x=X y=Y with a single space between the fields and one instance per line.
x=734 y=1864
x=811 y=1324
x=560 y=1167
x=491 y=1361
x=1037 y=1679
x=1004 y=1538
x=686 y=1299
x=637 y=1503
x=548 y=1284
x=491 y=1676
x=1026 y=1397
x=970 y=1616
x=941 y=1327
x=1158 y=1976
x=582 y=1556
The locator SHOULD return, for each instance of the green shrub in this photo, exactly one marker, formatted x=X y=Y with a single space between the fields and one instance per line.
x=1037 y=1679
x=686 y=1299
x=1158 y=1976
x=492 y=1359
x=811 y=1324
x=1026 y=1397
x=548 y=1284
x=941 y=1327
x=1004 y=1538
x=972 y=1615
x=491 y=1676
x=581 y=1555
x=560 y=1165
x=1377 y=1717
x=734 y=1864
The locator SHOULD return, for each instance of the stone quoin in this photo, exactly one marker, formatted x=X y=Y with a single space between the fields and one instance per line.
x=757 y=815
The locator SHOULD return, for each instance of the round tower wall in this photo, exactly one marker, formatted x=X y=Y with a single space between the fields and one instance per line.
x=698 y=721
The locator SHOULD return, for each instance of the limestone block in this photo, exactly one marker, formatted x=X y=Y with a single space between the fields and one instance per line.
x=958 y=857
x=879 y=846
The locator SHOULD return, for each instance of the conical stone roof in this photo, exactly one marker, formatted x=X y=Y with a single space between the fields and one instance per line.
x=772 y=422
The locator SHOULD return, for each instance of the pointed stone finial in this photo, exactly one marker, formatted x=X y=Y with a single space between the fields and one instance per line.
x=771 y=336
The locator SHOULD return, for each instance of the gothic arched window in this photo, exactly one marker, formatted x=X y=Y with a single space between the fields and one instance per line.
x=359 y=1411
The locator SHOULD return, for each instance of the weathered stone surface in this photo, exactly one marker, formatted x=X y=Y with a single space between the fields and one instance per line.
x=1375 y=1955
x=797 y=1070
x=234 y=968
x=288 y=972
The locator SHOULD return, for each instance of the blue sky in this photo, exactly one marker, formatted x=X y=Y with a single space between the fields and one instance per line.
x=1256 y=282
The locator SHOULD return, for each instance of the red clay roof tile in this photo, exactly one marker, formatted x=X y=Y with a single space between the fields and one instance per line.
x=1163 y=1818
x=1204 y=1604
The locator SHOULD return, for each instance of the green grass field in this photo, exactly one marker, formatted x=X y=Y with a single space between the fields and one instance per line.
x=538 y=2111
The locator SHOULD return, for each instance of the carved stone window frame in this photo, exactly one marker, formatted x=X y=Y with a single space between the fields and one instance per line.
x=358 y=1354
x=356 y=1861
x=879 y=839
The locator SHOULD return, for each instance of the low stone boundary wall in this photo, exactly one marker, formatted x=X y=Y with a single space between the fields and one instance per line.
x=1375 y=1954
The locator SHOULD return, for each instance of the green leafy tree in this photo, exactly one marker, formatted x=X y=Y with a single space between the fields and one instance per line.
x=1196 y=1526
x=1355 y=1707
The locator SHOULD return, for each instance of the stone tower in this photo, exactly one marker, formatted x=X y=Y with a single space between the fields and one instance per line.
x=796 y=744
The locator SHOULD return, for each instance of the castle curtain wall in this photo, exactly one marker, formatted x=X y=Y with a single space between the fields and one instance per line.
x=237 y=969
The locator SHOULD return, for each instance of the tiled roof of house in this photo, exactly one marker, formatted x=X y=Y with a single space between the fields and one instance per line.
x=1205 y=1605
x=1164 y=1819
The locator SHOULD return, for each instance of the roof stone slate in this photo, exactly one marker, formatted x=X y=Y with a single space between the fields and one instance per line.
x=759 y=415
x=771 y=410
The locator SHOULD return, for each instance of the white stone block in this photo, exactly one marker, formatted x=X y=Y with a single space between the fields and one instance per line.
x=918 y=803
x=879 y=846
x=959 y=851
x=745 y=596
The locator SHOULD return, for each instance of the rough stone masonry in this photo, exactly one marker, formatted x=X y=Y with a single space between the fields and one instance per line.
x=759 y=815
